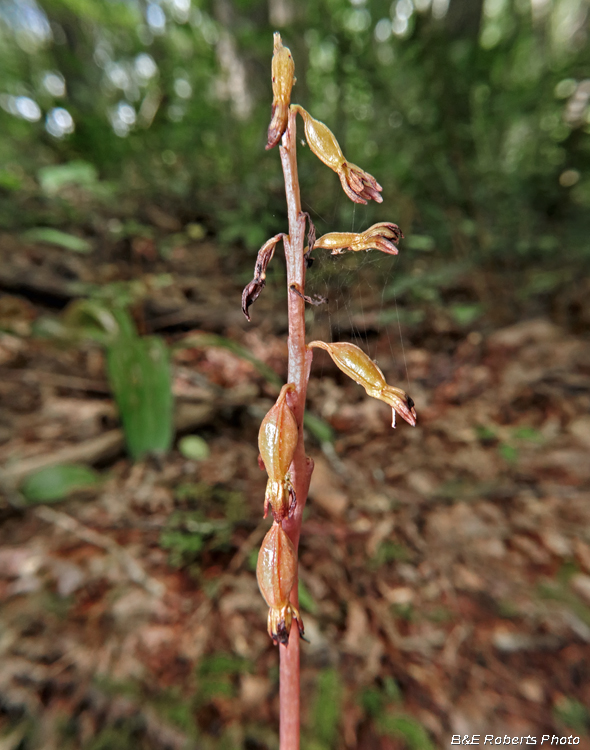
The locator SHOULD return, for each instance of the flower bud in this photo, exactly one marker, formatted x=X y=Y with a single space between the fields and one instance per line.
x=276 y=572
x=277 y=440
x=283 y=78
x=359 y=185
x=358 y=366
x=381 y=236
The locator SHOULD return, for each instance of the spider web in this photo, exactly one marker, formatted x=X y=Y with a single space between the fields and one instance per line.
x=360 y=288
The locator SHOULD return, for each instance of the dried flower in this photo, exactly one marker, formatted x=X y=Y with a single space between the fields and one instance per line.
x=358 y=366
x=359 y=185
x=276 y=571
x=254 y=288
x=283 y=78
x=381 y=236
x=277 y=440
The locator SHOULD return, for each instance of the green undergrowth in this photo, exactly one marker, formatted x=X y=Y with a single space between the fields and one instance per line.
x=204 y=523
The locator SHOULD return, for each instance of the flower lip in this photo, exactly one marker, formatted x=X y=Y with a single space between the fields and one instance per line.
x=359 y=186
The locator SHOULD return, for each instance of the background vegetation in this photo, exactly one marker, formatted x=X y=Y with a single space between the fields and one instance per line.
x=474 y=115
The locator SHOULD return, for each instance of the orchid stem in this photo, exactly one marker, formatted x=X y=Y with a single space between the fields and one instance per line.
x=299 y=365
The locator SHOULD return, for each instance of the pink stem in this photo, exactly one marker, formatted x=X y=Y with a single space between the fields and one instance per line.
x=301 y=468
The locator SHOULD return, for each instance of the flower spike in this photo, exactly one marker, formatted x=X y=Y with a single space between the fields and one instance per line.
x=276 y=571
x=381 y=236
x=277 y=440
x=358 y=366
x=358 y=185
x=283 y=78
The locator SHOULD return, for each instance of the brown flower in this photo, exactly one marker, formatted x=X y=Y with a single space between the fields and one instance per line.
x=359 y=185
x=277 y=440
x=358 y=366
x=283 y=78
x=380 y=236
x=276 y=572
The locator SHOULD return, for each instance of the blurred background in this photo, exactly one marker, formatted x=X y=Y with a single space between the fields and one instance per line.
x=445 y=569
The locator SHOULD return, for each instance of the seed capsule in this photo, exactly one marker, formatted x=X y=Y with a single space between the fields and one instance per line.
x=358 y=366
x=283 y=78
x=276 y=572
x=359 y=185
x=277 y=440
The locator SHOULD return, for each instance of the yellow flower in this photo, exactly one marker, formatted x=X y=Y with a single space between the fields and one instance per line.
x=359 y=185
x=381 y=236
x=358 y=366
x=283 y=78
x=276 y=571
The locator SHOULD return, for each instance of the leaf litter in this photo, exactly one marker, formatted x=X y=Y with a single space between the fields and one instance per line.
x=446 y=568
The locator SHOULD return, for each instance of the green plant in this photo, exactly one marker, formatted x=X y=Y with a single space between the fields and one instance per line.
x=138 y=367
x=280 y=438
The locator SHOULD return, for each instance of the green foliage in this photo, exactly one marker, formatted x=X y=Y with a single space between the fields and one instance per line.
x=206 y=524
x=139 y=374
x=58 y=482
x=573 y=714
x=326 y=711
x=51 y=236
x=216 y=675
x=138 y=368
x=306 y=601
x=75 y=173
x=484 y=153
x=387 y=552
x=408 y=729
x=193 y=447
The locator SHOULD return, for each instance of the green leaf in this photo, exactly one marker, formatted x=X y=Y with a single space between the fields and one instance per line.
x=193 y=447
x=319 y=428
x=464 y=315
x=139 y=374
x=57 y=482
x=92 y=319
x=399 y=725
x=508 y=452
x=573 y=714
x=57 y=176
x=327 y=708
x=306 y=600
x=420 y=242
x=51 y=236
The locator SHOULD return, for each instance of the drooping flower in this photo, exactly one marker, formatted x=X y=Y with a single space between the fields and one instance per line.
x=381 y=236
x=361 y=368
x=359 y=185
x=283 y=78
x=276 y=572
x=277 y=440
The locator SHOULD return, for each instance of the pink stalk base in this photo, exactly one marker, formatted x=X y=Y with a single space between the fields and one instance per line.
x=302 y=467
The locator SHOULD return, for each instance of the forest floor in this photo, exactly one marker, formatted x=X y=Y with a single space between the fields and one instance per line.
x=445 y=568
